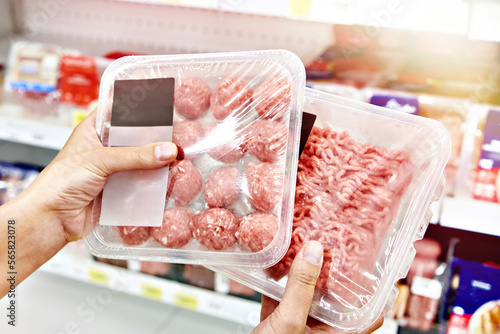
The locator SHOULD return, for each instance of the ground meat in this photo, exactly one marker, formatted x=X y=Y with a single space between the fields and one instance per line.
x=186 y=134
x=231 y=97
x=346 y=197
x=222 y=187
x=184 y=182
x=174 y=231
x=225 y=147
x=257 y=230
x=215 y=228
x=134 y=235
x=265 y=184
x=192 y=98
x=272 y=97
x=266 y=140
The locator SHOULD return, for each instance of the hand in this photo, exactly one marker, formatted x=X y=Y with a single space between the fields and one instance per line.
x=56 y=207
x=290 y=316
x=67 y=187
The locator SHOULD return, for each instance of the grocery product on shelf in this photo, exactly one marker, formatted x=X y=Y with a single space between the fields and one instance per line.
x=365 y=181
x=236 y=119
x=476 y=306
x=48 y=80
x=32 y=77
x=423 y=303
x=425 y=262
x=453 y=114
x=480 y=164
x=14 y=178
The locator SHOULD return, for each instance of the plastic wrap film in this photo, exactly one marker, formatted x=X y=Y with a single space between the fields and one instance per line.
x=236 y=119
x=365 y=180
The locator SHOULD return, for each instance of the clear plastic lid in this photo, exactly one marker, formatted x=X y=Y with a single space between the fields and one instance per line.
x=237 y=118
x=365 y=181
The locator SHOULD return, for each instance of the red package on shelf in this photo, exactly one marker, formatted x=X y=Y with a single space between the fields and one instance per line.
x=79 y=82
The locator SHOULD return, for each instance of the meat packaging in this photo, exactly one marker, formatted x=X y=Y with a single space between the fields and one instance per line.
x=237 y=119
x=366 y=178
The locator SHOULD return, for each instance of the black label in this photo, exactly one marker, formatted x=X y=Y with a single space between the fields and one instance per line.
x=307 y=125
x=148 y=102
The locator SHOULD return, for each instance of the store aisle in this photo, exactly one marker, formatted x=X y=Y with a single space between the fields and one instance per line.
x=49 y=304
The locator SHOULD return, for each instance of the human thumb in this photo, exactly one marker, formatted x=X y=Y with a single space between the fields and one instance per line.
x=115 y=159
x=300 y=287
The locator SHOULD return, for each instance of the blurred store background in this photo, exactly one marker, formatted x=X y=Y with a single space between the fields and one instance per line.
x=438 y=59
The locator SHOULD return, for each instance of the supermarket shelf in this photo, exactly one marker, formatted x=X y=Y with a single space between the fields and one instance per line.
x=78 y=265
x=36 y=132
x=471 y=215
x=447 y=16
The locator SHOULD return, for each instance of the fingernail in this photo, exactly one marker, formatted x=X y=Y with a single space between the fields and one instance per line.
x=313 y=252
x=165 y=152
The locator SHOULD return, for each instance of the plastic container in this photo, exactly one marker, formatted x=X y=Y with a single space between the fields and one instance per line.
x=358 y=287
x=238 y=124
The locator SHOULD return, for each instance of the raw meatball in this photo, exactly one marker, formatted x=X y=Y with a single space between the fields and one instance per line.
x=227 y=149
x=184 y=183
x=266 y=139
x=215 y=228
x=272 y=97
x=265 y=183
x=187 y=133
x=134 y=235
x=192 y=98
x=257 y=230
x=230 y=96
x=222 y=187
x=174 y=231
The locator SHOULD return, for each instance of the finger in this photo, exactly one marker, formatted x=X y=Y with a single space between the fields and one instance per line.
x=299 y=290
x=375 y=326
x=268 y=307
x=110 y=160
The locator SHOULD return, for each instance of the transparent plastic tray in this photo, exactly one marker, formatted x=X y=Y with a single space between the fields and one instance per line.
x=241 y=112
x=367 y=206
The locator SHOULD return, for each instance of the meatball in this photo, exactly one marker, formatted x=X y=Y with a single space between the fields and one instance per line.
x=222 y=187
x=133 y=235
x=265 y=183
x=227 y=148
x=174 y=231
x=215 y=228
x=231 y=96
x=192 y=98
x=257 y=230
x=186 y=134
x=184 y=183
x=266 y=140
x=272 y=97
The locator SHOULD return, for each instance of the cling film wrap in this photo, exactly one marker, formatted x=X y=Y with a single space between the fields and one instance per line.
x=365 y=180
x=228 y=199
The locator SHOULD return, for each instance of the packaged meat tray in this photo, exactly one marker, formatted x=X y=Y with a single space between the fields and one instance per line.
x=365 y=181
x=236 y=119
